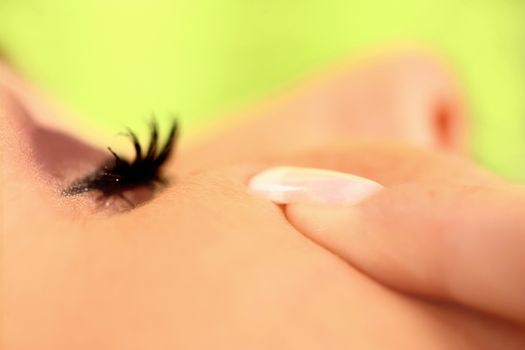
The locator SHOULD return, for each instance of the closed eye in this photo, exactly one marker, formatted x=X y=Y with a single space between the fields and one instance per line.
x=124 y=183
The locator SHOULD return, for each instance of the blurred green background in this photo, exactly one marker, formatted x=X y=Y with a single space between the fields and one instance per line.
x=114 y=61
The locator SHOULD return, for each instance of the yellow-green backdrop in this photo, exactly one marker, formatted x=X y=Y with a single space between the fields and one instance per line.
x=116 y=61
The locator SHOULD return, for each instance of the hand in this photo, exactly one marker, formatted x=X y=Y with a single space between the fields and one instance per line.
x=440 y=228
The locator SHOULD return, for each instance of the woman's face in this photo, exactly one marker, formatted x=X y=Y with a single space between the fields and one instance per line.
x=204 y=264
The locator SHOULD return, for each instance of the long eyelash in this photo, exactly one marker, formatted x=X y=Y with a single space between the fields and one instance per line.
x=119 y=175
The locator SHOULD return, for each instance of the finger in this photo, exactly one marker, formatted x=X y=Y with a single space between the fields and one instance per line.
x=458 y=243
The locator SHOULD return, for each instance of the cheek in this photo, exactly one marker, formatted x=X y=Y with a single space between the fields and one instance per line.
x=203 y=258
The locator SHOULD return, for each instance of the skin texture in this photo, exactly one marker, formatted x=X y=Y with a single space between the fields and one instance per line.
x=207 y=265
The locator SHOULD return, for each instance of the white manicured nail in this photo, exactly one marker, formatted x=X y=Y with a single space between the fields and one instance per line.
x=286 y=185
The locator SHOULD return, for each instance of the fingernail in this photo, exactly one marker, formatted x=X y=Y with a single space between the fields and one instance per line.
x=286 y=185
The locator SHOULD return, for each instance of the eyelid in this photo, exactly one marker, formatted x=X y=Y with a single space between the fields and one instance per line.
x=59 y=157
x=55 y=154
x=122 y=178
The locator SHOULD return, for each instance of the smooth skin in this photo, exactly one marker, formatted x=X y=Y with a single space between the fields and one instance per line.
x=207 y=265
